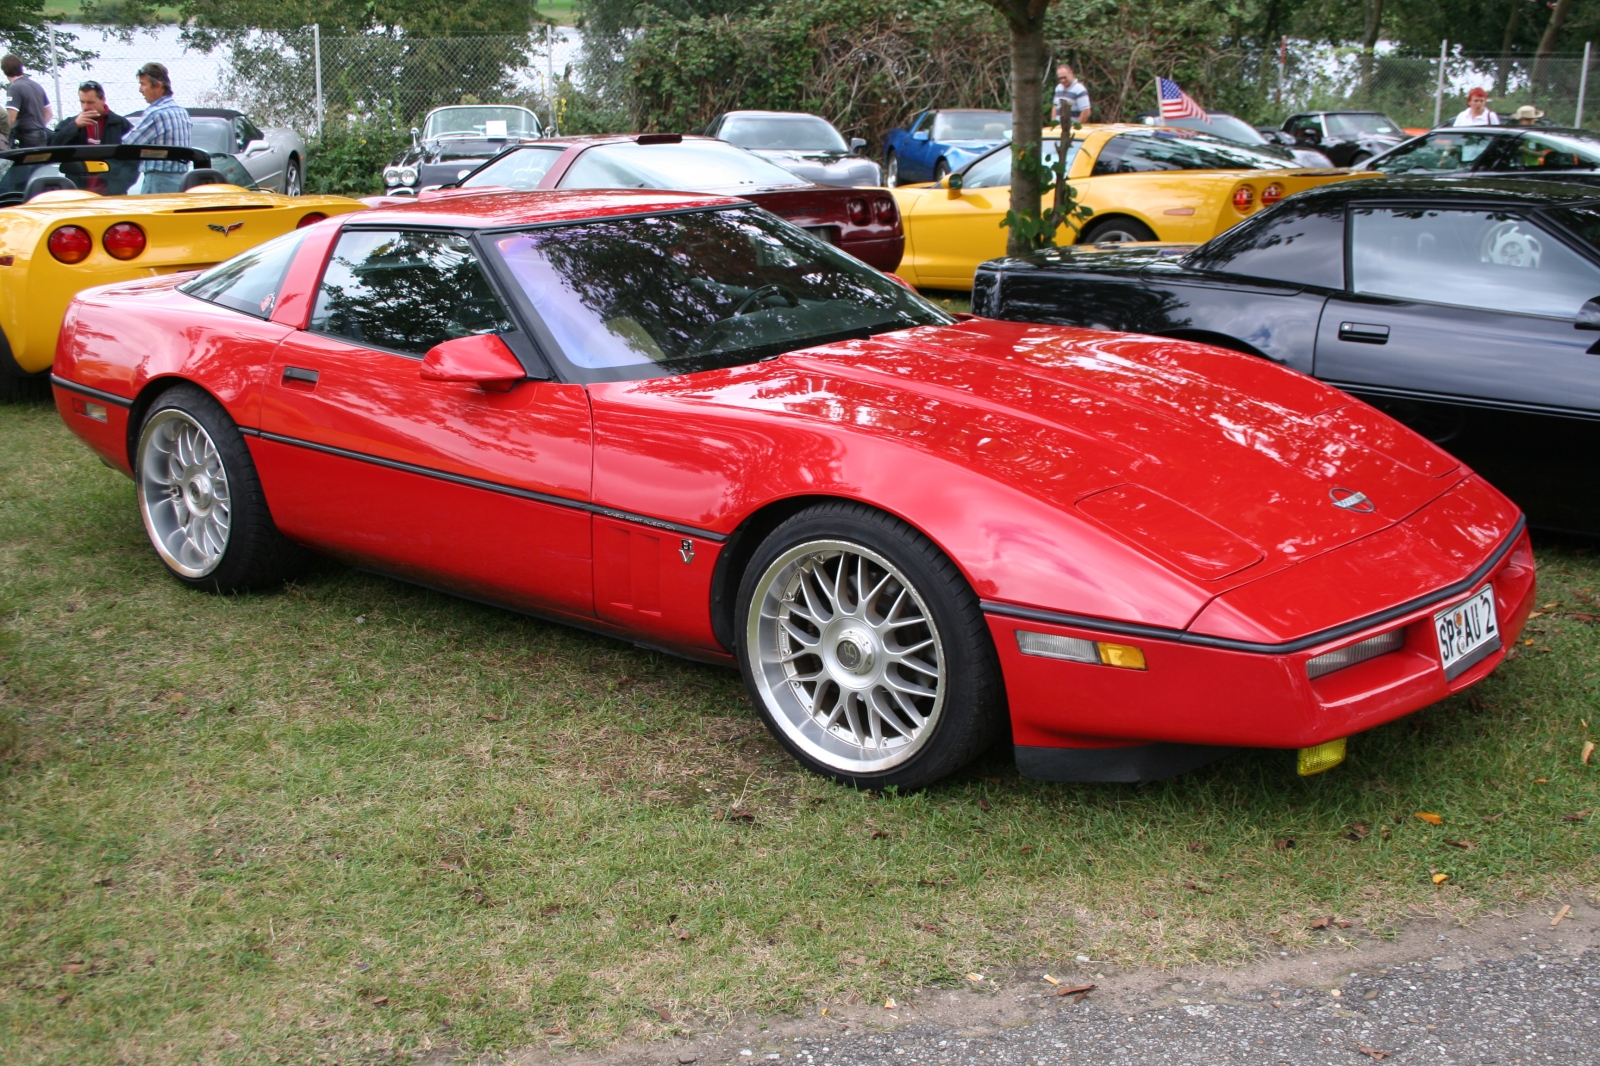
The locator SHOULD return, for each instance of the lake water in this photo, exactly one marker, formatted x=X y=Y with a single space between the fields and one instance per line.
x=197 y=77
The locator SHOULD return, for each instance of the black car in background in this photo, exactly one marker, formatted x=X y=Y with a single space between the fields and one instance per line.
x=1469 y=309
x=1522 y=151
x=1232 y=128
x=1349 y=138
x=455 y=140
x=807 y=145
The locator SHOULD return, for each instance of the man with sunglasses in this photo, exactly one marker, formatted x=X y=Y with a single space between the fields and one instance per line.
x=95 y=123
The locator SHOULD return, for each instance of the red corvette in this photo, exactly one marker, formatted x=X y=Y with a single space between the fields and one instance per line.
x=678 y=420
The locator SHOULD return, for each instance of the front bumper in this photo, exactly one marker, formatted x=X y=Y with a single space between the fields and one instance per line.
x=1220 y=695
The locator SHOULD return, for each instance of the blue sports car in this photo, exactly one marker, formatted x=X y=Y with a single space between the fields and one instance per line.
x=939 y=141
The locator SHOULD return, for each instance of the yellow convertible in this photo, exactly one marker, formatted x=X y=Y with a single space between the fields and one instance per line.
x=1144 y=183
x=59 y=235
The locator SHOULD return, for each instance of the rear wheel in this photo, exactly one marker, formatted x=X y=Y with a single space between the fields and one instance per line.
x=865 y=650
x=1116 y=231
x=891 y=170
x=201 y=500
x=293 y=178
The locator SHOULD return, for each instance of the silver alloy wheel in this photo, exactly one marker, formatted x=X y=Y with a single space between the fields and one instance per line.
x=1113 y=235
x=292 y=182
x=847 y=656
x=892 y=174
x=183 y=493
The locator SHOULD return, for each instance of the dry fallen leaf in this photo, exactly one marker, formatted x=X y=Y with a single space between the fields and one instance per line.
x=1588 y=750
x=492 y=717
x=1322 y=923
x=1026 y=848
x=1077 y=990
x=1541 y=780
x=1582 y=616
x=1576 y=816
x=75 y=966
x=1440 y=879
x=1191 y=886
x=1566 y=909
x=380 y=1001
x=1464 y=845
x=1430 y=817
x=1152 y=915
x=738 y=816
x=854 y=960
x=1283 y=843
x=878 y=834
x=1372 y=1051
x=1535 y=614
x=983 y=804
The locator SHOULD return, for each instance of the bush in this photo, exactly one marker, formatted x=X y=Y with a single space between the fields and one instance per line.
x=348 y=159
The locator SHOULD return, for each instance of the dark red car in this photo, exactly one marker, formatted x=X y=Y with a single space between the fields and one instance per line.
x=863 y=222
x=676 y=420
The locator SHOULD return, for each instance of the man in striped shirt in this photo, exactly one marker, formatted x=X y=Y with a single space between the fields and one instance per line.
x=163 y=122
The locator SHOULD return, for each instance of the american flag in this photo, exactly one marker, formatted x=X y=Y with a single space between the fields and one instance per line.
x=1175 y=103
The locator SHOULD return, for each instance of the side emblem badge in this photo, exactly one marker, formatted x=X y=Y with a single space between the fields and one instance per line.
x=686 y=550
x=226 y=231
x=1351 y=500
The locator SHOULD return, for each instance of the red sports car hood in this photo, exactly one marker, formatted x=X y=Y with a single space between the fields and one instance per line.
x=1222 y=466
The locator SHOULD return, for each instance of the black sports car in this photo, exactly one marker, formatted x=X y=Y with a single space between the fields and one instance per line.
x=455 y=140
x=1466 y=308
x=1349 y=138
x=1523 y=151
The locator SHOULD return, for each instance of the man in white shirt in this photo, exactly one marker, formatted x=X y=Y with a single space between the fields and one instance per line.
x=1477 y=112
x=1071 y=100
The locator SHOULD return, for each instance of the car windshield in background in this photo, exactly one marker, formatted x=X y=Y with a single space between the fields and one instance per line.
x=793 y=133
x=1225 y=126
x=674 y=294
x=214 y=135
x=453 y=122
x=972 y=126
x=1442 y=152
x=1348 y=125
x=994 y=170
x=692 y=166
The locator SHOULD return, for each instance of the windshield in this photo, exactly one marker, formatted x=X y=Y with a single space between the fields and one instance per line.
x=494 y=123
x=1353 y=125
x=59 y=169
x=972 y=126
x=794 y=133
x=674 y=294
x=1219 y=125
x=692 y=166
x=994 y=169
x=1443 y=152
x=214 y=135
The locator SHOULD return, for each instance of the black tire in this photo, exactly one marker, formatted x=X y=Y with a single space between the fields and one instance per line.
x=1116 y=230
x=1360 y=157
x=250 y=553
x=16 y=384
x=940 y=170
x=919 y=597
x=891 y=170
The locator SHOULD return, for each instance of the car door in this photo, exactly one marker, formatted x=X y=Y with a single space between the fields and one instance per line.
x=1460 y=322
x=479 y=492
x=262 y=159
x=916 y=160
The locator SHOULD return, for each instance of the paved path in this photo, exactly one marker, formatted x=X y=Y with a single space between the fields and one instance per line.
x=1503 y=992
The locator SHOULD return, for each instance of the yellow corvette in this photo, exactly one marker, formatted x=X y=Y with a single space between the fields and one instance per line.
x=1144 y=183
x=58 y=236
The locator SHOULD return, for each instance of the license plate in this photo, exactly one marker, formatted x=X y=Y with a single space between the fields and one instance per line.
x=1467 y=632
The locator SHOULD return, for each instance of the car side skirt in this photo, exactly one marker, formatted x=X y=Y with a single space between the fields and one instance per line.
x=1132 y=765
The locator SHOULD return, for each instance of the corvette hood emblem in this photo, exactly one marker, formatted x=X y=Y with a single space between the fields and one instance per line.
x=224 y=230
x=1351 y=500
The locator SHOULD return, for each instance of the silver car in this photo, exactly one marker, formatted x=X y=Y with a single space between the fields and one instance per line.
x=275 y=159
x=802 y=144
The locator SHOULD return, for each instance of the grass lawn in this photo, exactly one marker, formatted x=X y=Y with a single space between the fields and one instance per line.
x=353 y=815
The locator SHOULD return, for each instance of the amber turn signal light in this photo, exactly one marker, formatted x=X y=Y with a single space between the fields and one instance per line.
x=70 y=244
x=123 y=241
x=1244 y=198
x=1322 y=757
x=310 y=220
x=1078 y=650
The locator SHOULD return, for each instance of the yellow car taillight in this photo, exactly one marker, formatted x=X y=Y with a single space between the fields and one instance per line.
x=1244 y=199
x=70 y=244
x=123 y=241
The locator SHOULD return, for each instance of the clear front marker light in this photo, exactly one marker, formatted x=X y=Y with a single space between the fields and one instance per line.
x=1371 y=648
x=1077 y=650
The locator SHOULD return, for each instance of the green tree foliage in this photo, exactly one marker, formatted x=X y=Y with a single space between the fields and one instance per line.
x=22 y=29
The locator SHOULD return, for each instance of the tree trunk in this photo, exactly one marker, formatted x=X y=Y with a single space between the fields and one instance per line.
x=1369 y=41
x=1027 y=125
x=1504 y=73
x=1547 y=43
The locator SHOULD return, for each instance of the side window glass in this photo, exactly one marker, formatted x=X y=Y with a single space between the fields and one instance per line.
x=249 y=282
x=405 y=290
x=924 y=123
x=1438 y=153
x=241 y=134
x=1533 y=152
x=1292 y=244
x=1485 y=259
x=994 y=170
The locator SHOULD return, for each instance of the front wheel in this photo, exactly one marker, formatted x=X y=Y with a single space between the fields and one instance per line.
x=891 y=170
x=201 y=500
x=1117 y=231
x=293 y=178
x=941 y=170
x=865 y=650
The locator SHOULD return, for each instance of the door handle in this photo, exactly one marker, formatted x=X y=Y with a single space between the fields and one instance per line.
x=1363 y=333
x=298 y=376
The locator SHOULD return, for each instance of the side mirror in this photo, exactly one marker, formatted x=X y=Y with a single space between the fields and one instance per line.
x=954 y=182
x=857 y=143
x=482 y=360
x=1588 y=315
x=256 y=146
x=415 y=133
x=920 y=135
